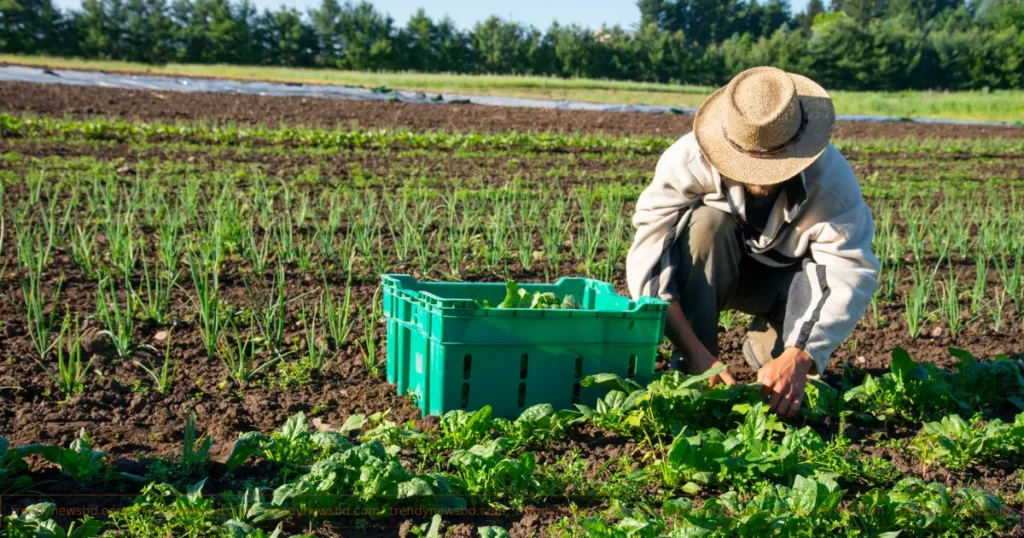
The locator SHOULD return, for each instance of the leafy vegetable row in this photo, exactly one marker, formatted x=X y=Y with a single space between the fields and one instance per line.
x=11 y=125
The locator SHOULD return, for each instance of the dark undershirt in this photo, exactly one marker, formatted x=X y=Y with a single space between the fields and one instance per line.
x=759 y=208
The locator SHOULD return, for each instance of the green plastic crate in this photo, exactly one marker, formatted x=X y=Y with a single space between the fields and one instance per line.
x=450 y=353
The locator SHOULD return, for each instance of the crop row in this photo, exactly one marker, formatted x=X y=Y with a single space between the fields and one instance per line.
x=15 y=126
x=144 y=243
x=692 y=440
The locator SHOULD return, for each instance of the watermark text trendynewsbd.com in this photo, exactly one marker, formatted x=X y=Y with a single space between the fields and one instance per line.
x=100 y=506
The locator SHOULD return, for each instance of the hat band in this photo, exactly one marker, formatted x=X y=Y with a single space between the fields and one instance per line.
x=768 y=152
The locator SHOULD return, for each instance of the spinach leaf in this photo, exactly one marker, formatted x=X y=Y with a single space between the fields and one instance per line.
x=517 y=297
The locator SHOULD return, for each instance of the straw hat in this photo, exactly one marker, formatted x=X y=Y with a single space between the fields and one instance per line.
x=765 y=126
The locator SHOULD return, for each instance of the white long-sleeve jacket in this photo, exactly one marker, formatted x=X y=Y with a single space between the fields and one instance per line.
x=822 y=223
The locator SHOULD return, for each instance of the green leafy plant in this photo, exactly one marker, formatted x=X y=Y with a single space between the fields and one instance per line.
x=462 y=430
x=908 y=392
x=981 y=385
x=667 y=404
x=71 y=370
x=517 y=297
x=379 y=427
x=338 y=316
x=249 y=509
x=156 y=290
x=762 y=447
x=40 y=322
x=368 y=345
x=206 y=279
x=239 y=352
x=536 y=426
x=293 y=446
x=162 y=375
x=162 y=510
x=913 y=391
x=956 y=443
x=195 y=448
x=79 y=461
x=484 y=473
x=813 y=507
x=118 y=317
x=365 y=476
x=35 y=521
x=316 y=356
x=13 y=469
x=272 y=318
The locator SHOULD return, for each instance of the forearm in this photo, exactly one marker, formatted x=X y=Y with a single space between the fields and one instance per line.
x=680 y=333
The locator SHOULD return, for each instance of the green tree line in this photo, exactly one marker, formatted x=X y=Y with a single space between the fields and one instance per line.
x=850 y=44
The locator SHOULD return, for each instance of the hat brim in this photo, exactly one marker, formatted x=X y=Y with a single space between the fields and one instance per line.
x=777 y=167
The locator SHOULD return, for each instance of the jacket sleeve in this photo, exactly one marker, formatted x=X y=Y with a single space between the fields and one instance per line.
x=835 y=287
x=657 y=221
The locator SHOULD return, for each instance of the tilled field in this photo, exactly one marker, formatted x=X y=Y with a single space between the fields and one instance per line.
x=165 y=243
x=83 y=102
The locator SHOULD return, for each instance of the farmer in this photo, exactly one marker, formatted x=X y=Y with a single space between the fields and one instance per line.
x=756 y=211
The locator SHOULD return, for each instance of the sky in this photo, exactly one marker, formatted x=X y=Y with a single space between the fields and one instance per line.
x=465 y=13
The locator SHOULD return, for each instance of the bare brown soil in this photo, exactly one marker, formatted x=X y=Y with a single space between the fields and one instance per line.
x=133 y=423
x=83 y=101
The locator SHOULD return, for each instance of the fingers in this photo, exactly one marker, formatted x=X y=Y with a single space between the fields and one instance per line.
x=786 y=402
x=727 y=378
x=783 y=408
x=766 y=385
x=775 y=399
x=794 y=405
x=723 y=377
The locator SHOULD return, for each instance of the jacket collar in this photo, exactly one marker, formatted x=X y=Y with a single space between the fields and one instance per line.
x=790 y=202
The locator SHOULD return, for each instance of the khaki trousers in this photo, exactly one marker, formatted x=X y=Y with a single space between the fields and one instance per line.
x=713 y=273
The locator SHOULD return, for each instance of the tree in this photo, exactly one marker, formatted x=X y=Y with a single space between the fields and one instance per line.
x=772 y=16
x=30 y=26
x=148 y=31
x=102 y=25
x=665 y=56
x=806 y=19
x=862 y=11
x=651 y=14
x=366 y=38
x=999 y=14
x=703 y=21
x=452 y=47
x=504 y=47
x=883 y=55
x=574 y=50
x=285 y=39
x=327 y=31
x=213 y=31
x=856 y=45
x=432 y=47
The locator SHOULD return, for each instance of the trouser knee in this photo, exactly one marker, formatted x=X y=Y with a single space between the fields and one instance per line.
x=712 y=234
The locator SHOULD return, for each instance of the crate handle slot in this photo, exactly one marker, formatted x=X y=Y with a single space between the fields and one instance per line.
x=465 y=396
x=576 y=392
x=522 y=394
x=631 y=372
x=524 y=364
x=467 y=366
x=579 y=366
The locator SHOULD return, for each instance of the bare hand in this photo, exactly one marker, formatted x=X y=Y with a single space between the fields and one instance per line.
x=705 y=361
x=784 y=379
x=698 y=358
